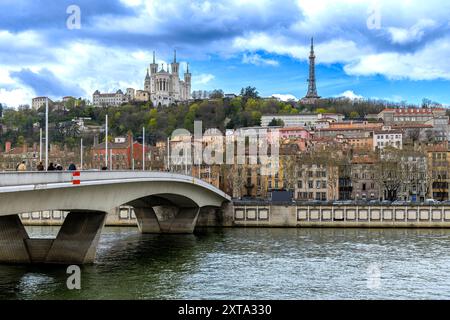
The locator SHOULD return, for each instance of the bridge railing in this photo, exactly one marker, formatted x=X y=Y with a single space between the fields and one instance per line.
x=37 y=178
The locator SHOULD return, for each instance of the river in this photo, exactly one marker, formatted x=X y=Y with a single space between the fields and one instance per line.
x=238 y=263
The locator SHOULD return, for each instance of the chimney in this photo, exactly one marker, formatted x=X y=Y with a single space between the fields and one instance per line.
x=7 y=146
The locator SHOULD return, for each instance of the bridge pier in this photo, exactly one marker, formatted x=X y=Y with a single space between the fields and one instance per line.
x=76 y=242
x=171 y=220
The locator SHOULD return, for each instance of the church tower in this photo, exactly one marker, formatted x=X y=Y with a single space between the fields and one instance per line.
x=154 y=65
x=311 y=96
x=147 y=83
x=175 y=65
x=187 y=83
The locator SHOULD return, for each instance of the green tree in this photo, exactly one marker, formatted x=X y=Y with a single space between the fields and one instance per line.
x=354 y=115
x=249 y=92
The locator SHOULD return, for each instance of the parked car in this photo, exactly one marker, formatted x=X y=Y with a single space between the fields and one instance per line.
x=431 y=201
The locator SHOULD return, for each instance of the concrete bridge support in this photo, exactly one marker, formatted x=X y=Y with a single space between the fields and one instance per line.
x=76 y=242
x=167 y=219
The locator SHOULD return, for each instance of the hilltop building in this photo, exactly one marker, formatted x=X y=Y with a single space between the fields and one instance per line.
x=166 y=87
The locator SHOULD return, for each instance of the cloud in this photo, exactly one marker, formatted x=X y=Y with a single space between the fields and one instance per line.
x=428 y=63
x=413 y=34
x=202 y=79
x=45 y=83
x=15 y=97
x=285 y=97
x=257 y=60
x=114 y=45
x=350 y=95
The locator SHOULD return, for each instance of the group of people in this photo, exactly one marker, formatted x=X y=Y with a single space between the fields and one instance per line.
x=51 y=167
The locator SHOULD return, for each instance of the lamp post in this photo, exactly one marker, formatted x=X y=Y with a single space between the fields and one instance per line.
x=81 y=154
x=143 y=148
x=106 y=142
x=46 y=134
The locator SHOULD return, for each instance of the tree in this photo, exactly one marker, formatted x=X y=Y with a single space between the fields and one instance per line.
x=276 y=123
x=249 y=93
x=354 y=115
x=216 y=94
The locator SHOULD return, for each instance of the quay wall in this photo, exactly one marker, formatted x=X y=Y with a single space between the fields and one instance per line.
x=286 y=216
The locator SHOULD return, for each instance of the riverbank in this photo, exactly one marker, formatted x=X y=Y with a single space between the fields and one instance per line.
x=269 y=215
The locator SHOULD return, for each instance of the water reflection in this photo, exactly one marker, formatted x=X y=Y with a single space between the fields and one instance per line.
x=249 y=264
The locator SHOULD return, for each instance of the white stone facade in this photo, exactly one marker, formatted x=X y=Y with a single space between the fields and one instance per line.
x=109 y=99
x=166 y=87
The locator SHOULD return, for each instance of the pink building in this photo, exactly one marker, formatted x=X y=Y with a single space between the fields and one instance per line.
x=294 y=133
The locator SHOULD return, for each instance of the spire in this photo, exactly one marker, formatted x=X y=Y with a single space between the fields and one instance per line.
x=154 y=57
x=147 y=76
x=312 y=89
x=187 y=68
x=175 y=56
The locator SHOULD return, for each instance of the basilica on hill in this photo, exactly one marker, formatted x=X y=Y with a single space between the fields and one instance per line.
x=164 y=84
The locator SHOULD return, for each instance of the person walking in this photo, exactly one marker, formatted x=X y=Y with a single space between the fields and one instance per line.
x=22 y=167
x=40 y=166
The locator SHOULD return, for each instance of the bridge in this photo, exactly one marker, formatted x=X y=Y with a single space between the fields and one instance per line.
x=163 y=203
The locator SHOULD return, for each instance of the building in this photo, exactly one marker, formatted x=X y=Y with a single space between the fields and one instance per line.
x=141 y=96
x=317 y=182
x=360 y=140
x=438 y=171
x=123 y=154
x=109 y=99
x=405 y=115
x=293 y=133
x=364 y=184
x=38 y=102
x=311 y=96
x=348 y=129
x=415 y=183
x=165 y=86
x=308 y=120
x=387 y=137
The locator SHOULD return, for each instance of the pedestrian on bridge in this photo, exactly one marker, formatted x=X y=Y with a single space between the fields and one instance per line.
x=22 y=167
x=51 y=167
x=40 y=166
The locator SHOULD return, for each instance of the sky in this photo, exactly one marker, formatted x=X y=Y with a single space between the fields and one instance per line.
x=392 y=50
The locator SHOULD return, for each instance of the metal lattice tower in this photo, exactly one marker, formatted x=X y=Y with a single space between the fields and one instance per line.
x=312 y=89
